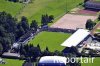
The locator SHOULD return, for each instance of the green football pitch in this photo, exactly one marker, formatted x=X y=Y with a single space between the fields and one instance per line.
x=52 y=40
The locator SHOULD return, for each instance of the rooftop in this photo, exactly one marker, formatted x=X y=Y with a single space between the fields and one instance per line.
x=76 y=38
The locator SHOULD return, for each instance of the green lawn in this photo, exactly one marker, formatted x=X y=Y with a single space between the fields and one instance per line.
x=35 y=9
x=96 y=62
x=10 y=7
x=57 y=8
x=98 y=30
x=97 y=0
x=52 y=40
x=12 y=62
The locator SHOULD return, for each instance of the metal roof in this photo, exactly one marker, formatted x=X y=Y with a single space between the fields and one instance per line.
x=76 y=38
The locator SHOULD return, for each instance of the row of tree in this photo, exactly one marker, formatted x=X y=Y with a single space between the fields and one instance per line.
x=46 y=19
x=32 y=53
x=11 y=30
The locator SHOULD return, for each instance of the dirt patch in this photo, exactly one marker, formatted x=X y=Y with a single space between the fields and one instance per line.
x=87 y=12
x=83 y=11
x=70 y=21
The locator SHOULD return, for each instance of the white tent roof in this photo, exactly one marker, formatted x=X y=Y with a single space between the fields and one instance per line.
x=0 y=59
x=15 y=45
x=76 y=38
x=53 y=59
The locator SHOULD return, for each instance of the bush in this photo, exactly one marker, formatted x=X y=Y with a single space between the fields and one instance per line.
x=99 y=17
x=89 y=24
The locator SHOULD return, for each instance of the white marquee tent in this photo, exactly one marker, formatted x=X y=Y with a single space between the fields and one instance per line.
x=0 y=59
x=76 y=38
x=53 y=59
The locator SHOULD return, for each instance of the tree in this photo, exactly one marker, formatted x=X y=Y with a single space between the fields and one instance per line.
x=29 y=51
x=46 y=52
x=51 y=18
x=47 y=49
x=58 y=53
x=20 y=31
x=43 y=22
x=85 y=1
x=1 y=49
x=11 y=30
x=34 y=25
x=24 y=24
x=89 y=24
x=38 y=46
x=45 y=19
x=99 y=17
x=2 y=31
x=8 y=29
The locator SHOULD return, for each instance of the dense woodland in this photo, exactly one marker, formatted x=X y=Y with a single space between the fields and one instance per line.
x=11 y=29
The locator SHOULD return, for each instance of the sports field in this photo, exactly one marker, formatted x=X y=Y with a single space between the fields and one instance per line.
x=52 y=40
x=57 y=8
x=10 y=7
x=12 y=62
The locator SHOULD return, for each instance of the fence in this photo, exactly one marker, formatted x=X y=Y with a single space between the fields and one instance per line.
x=58 y=30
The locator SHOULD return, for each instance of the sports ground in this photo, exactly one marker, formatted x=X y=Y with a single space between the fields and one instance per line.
x=57 y=8
x=52 y=40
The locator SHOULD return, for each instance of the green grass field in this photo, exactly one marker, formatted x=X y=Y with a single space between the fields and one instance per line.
x=50 y=39
x=98 y=30
x=12 y=62
x=95 y=63
x=57 y=8
x=97 y=0
x=10 y=7
x=35 y=9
